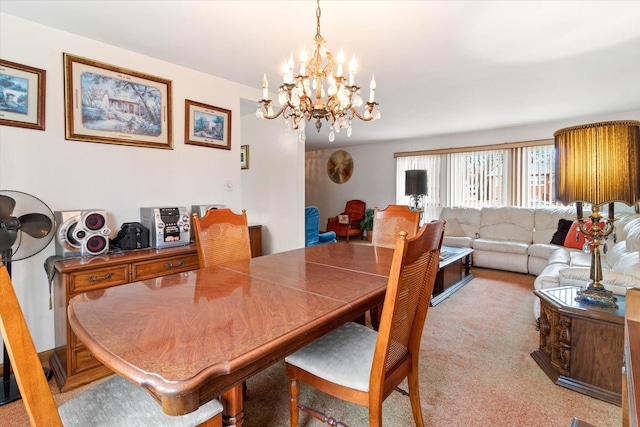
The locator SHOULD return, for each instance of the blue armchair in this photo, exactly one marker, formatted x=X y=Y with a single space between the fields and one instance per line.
x=312 y=235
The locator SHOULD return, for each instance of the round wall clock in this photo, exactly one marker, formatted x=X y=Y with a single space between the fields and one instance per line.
x=340 y=167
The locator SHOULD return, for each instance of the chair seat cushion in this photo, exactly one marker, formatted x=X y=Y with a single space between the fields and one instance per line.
x=343 y=356
x=117 y=402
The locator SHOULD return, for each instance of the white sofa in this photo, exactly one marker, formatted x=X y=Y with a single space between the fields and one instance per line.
x=518 y=239
x=620 y=262
x=506 y=238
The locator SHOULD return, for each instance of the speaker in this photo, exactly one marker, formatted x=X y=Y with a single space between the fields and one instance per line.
x=82 y=232
x=201 y=210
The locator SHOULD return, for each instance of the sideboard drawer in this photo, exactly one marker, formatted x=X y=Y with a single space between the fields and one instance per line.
x=162 y=267
x=99 y=278
x=83 y=360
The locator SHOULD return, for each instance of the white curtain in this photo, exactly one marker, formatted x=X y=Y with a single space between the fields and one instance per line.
x=432 y=201
x=519 y=176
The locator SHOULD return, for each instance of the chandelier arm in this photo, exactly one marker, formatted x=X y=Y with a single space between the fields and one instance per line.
x=276 y=115
x=360 y=116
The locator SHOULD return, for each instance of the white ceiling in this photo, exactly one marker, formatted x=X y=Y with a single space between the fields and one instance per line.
x=440 y=66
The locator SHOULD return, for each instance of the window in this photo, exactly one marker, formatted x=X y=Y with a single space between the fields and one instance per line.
x=518 y=175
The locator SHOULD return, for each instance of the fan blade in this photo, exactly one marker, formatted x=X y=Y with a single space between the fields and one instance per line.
x=7 y=238
x=36 y=225
x=6 y=207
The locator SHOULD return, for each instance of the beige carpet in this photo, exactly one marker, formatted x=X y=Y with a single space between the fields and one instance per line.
x=475 y=364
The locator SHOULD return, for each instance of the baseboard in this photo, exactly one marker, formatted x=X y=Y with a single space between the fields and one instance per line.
x=44 y=358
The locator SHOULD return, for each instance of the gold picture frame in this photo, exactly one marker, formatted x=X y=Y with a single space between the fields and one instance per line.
x=206 y=125
x=22 y=95
x=114 y=105
x=244 y=157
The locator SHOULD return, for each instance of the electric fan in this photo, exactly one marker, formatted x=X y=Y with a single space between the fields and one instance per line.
x=26 y=225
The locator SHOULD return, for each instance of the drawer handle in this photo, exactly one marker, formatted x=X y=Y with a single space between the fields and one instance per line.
x=100 y=279
x=172 y=265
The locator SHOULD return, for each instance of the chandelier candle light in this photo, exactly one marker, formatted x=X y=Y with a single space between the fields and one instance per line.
x=337 y=103
x=598 y=163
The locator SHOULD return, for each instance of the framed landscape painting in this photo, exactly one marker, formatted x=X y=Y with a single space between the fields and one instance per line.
x=244 y=157
x=114 y=105
x=22 y=95
x=207 y=125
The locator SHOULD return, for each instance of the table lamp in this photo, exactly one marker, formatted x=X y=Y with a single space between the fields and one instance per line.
x=415 y=186
x=598 y=163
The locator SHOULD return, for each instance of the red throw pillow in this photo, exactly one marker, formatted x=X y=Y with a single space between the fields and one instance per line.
x=575 y=238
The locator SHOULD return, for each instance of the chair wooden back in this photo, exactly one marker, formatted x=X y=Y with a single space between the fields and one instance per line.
x=355 y=209
x=221 y=237
x=413 y=272
x=26 y=365
x=387 y=224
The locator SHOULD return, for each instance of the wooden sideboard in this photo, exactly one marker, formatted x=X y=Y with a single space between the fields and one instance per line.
x=631 y=372
x=581 y=345
x=71 y=363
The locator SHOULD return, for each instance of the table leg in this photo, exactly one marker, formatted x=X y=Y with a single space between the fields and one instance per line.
x=232 y=412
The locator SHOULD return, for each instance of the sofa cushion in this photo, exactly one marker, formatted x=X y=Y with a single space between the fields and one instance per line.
x=611 y=280
x=507 y=224
x=468 y=219
x=542 y=250
x=560 y=256
x=462 y=242
x=453 y=228
x=564 y=225
x=500 y=246
x=546 y=221
x=632 y=231
x=575 y=238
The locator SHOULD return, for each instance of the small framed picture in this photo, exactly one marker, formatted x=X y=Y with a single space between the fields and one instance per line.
x=244 y=157
x=114 y=105
x=207 y=125
x=22 y=95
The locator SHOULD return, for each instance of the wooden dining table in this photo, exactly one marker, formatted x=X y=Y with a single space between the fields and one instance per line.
x=195 y=336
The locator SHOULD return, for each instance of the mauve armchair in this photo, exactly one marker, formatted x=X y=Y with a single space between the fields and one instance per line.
x=312 y=234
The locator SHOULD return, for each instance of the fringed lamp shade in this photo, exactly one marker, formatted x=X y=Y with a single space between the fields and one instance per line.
x=598 y=163
x=415 y=182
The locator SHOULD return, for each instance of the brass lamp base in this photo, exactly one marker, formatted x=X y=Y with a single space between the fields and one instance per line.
x=597 y=296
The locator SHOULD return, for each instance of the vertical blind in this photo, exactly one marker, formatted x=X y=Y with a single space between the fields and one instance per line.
x=517 y=176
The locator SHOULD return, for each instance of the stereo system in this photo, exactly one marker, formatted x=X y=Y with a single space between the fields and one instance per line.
x=82 y=232
x=201 y=210
x=168 y=226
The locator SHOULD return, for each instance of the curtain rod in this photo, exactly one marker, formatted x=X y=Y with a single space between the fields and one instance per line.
x=504 y=145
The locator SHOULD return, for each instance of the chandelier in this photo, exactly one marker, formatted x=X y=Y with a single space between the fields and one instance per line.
x=337 y=103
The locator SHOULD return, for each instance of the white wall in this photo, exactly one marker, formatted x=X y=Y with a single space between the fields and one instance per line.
x=120 y=179
x=374 y=174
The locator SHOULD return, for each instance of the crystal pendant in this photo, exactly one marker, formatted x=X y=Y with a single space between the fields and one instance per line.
x=259 y=113
x=586 y=248
x=332 y=136
x=301 y=137
x=367 y=114
x=270 y=111
x=357 y=100
x=349 y=130
x=283 y=98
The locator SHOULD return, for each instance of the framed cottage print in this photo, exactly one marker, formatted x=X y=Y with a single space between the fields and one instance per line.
x=244 y=157
x=207 y=125
x=114 y=105
x=22 y=95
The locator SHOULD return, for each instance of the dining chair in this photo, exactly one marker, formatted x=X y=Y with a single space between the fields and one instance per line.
x=362 y=366
x=387 y=223
x=113 y=402
x=222 y=236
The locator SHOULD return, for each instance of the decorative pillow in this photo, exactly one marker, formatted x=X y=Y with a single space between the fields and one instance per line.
x=563 y=228
x=343 y=219
x=575 y=238
x=453 y=228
